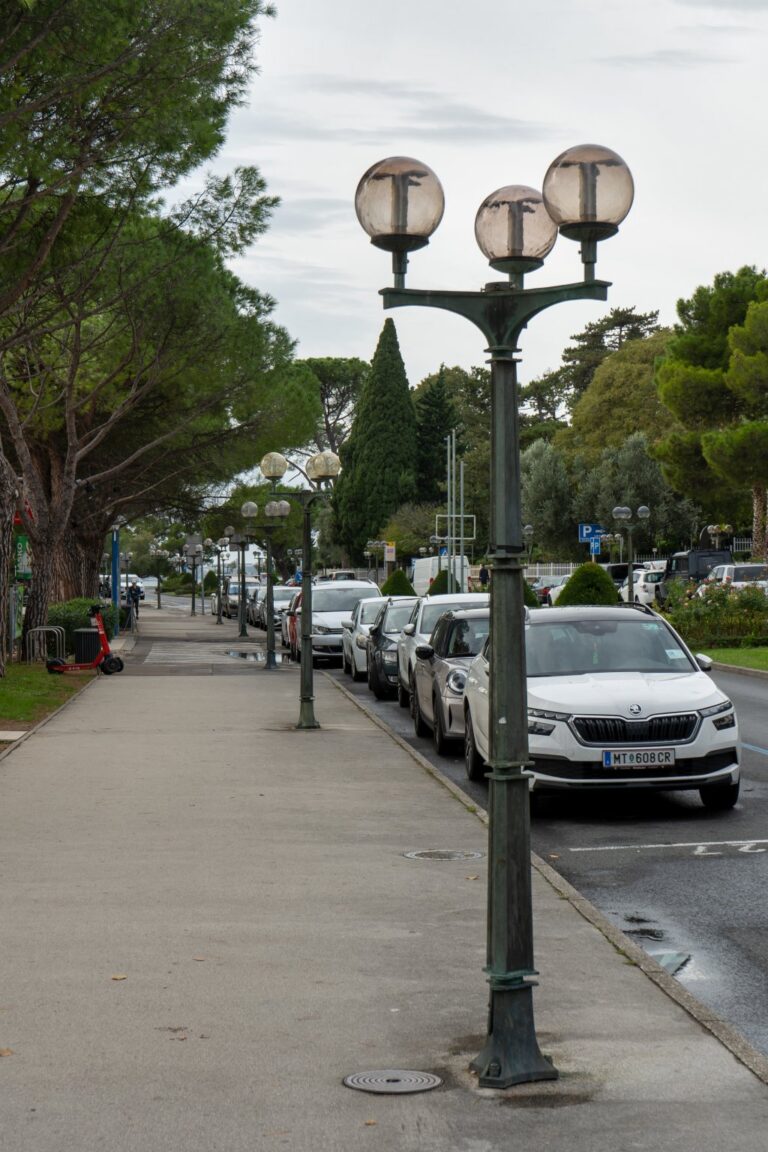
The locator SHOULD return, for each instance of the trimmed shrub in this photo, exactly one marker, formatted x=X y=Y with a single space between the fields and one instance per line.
x=530 y=599
x=73 y=614
x=210 y=582
x=589 y=584
x=439 y=585
x=397 y=584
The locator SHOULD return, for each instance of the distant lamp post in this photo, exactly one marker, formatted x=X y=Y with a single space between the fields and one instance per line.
x=528 y=534
x=159 y=554
x=277 y=511
x=376 y=547
x=587 y=192
x=321 y=469
x=221 y=544
x=624 y=517
x=717 y=531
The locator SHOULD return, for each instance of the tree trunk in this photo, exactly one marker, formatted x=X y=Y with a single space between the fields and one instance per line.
x=76 y=566
x=7 y=508
x=759 y=523
x=40 y=592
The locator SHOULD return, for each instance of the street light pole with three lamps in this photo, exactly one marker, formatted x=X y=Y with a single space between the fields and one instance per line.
x=587 y=192
x=624 y=517
x=321 y=469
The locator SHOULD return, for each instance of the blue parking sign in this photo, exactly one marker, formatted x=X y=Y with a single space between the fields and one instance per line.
x=594 y=546
x=588 y=531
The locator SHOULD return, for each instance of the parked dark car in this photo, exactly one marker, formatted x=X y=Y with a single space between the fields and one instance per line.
x=382 y=645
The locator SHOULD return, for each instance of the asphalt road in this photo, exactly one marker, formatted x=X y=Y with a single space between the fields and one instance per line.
x=687 y=884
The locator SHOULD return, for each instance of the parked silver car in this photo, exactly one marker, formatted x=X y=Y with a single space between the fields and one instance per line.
x=440 y=673
x=426 y=612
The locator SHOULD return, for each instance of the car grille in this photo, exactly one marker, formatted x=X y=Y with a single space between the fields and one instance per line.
x=603 y=730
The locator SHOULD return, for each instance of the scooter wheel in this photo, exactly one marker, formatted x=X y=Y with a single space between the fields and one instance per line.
x=55 y=664
x=111 y=664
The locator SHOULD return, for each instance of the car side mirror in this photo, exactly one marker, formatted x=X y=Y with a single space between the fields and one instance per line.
x=347 y=624
x=703 y=662
x=424 y=651
x=409 y=630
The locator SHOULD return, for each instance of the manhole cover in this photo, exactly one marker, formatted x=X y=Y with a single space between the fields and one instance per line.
x=389 y=1081
x=443 y=854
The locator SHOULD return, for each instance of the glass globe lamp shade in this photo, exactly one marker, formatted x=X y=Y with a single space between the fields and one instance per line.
x=249 y=510
x=223 y=541
x=528 y=532
x=399 y=203
x=588 y=190
x=273 y=466
x=324 y=466
x=622 y=513
x=643 y=512
x=229 y=532
x=514 y=230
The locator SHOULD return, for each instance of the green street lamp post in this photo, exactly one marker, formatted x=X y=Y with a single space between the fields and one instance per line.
x=277 y=510
x=587 y=192
x=624 y=517
x=528 y=534
x=321 y=469
x=221 y=544
x=159 y=554
x=376 y=547
x=193 y=555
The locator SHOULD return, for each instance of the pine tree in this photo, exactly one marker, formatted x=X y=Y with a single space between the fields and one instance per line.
x=380 y=457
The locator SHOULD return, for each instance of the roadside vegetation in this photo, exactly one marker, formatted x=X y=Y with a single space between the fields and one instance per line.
x=28 y=693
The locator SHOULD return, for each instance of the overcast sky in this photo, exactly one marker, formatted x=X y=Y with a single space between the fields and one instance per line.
x=487 y=94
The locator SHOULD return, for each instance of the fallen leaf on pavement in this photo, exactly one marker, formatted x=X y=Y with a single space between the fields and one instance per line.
x=6 y=1051
x=471 y=877
x=119 y=977
x=371 y=1123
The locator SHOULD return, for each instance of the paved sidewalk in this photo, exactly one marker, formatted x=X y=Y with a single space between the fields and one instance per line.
x=208 y=920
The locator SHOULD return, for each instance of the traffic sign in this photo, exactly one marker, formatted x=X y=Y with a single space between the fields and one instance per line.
x=588 y=531
x=594 y=546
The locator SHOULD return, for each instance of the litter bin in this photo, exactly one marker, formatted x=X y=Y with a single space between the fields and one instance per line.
x=87 y=645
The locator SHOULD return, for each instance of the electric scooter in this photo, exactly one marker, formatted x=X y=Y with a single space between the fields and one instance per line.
x=104 y=660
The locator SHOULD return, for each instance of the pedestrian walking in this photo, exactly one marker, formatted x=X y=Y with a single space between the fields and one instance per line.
x=484 y=576
x=134 y=596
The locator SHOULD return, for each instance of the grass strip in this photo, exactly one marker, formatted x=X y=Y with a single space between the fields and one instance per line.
x=740 y=657
x=29 y=693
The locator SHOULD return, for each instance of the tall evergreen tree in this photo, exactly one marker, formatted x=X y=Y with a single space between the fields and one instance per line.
x=379 y=457
x=435 y=419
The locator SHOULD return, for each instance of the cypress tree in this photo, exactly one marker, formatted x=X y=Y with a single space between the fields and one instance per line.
x=379 y=458
x=435 y=418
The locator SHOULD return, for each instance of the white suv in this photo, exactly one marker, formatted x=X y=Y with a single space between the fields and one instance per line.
x=426 y=613
x=615 y=700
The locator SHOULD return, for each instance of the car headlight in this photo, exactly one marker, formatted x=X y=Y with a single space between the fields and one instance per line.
x=716 y=708
x=321 y=629
x=390 y=656
x=456 y=681
x=545 y=715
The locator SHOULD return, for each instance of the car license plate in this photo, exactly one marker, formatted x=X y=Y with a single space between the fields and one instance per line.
x=639 y=758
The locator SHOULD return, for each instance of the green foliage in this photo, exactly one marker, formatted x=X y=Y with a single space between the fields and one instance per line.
x=411 y=527
x=73 y=614
x=435 y=418
x=338 y=382
x=397 y=584
x=547 y=498
x=589 y=584
x=439 y=585
x=597 y=341
x=379 y=458
x=621 y=399
x=530 y=599
x=723 y=618
x=210 y=582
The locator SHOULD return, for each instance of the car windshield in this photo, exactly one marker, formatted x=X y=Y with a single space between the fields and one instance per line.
x=653 y=577
x=369 y=612
x=282 y=595
x=396 y=617
x=340 y=599
x=467 y=637
x=586 y=647
x=432 y=613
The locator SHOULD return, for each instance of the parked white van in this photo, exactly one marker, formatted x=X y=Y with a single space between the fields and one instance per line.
x=426 y=568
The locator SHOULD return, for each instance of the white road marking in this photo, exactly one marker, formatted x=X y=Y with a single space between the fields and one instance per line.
x=189 y=652
x=698 y=845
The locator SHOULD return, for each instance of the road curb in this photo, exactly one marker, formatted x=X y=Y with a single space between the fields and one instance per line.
x=51 y=715
x=736 y=1044
x=758 y=672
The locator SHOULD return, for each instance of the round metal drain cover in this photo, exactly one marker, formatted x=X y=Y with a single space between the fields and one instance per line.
x=391 y=1081
x=443 y=854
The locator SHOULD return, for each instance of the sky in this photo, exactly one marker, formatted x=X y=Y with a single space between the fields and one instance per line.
x=488 y=94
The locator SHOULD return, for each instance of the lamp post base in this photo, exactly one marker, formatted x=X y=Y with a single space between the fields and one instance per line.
x=271 y=662
x=307 y=715
x=512 y=1054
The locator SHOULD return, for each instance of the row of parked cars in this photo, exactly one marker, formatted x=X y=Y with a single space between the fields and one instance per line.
x=615 y=697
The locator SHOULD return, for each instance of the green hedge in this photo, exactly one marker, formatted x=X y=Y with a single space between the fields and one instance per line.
x=722 y=618
x=589 y=584
x=397 y=584
x=73 y=614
